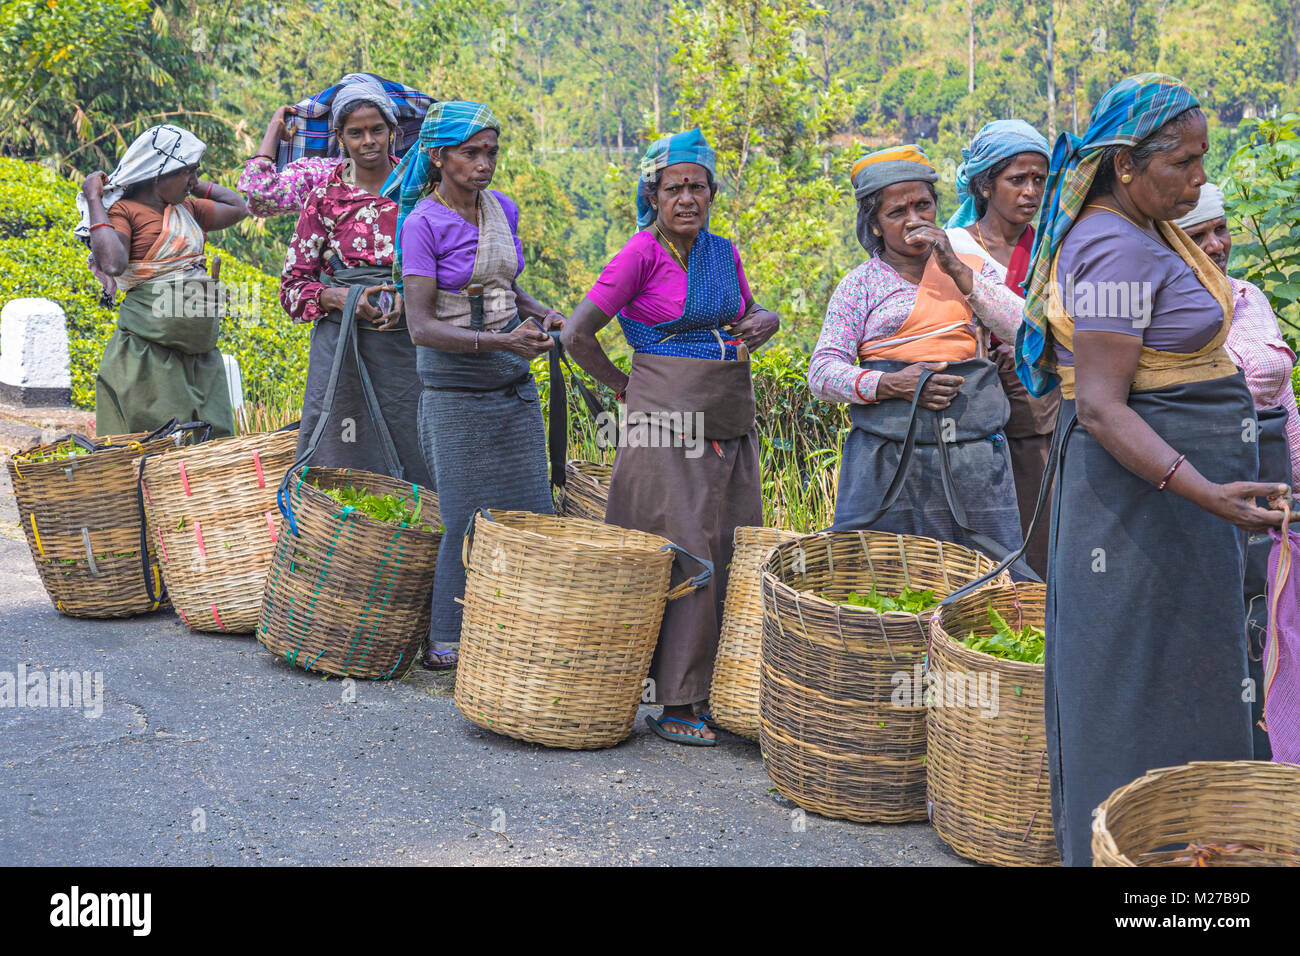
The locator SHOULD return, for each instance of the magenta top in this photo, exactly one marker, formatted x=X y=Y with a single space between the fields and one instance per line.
x=439 y=244
x=645 y=283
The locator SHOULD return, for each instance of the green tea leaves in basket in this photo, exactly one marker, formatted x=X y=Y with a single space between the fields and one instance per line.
x=61 y=451
x=909 y=601
x=403 y=511
x=1026 y=645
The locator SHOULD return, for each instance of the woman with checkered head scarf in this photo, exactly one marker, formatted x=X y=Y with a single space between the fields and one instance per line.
x=1146 y=627
x=688 y=470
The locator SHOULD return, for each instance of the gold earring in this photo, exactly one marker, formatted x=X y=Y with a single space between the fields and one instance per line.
x=1126 y=179
x=875 y=232
x=439 y=165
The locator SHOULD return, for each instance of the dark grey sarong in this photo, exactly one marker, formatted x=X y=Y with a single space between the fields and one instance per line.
x=982 y=482
x=481 y=427
x=351 y=439
x=1274 y=465
x=1146 y=633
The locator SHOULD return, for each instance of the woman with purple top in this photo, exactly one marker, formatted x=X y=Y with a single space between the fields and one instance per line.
x=1146 y=632
x=480 y=420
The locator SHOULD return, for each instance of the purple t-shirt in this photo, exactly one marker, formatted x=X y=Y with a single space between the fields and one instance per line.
x=439 y=244
x=1113 y=277
x=645 y=283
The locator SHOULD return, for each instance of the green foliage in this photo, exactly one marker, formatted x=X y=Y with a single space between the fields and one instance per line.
x=1263 y=192
x=1026 y=644
x=401 y=510
x=908 y=601
x=60 y=452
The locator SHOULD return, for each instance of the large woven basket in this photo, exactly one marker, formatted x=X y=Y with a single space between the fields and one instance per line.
x=842 y=724
x=346 y=594
x=212 y=514
x=1224 y=813
x=586 y=490
x=82 y=522
x=986 y=769
x=561 y=620
x=733 y=698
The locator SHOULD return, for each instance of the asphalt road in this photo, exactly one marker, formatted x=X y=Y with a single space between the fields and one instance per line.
x=210 y=751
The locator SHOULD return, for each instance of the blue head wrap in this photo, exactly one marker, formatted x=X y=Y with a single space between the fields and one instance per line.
x=1130 y=111
x=446 y=124
x=687 y=147
x=995 y=142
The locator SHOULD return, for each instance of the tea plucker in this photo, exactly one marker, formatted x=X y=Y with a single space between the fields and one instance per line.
x=913 y=308
x=688 y=468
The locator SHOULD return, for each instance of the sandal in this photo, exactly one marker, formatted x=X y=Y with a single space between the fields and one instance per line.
x=689 y=740
x=436 y=658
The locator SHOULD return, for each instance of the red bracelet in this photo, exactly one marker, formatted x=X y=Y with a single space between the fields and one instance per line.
x=857 y=390
x=1170 y=473
x=209 y=191
x=96 y=225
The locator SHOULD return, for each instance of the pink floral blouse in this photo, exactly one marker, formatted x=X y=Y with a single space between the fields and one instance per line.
x=338 y=218
x=872 y=302
x=274 y=193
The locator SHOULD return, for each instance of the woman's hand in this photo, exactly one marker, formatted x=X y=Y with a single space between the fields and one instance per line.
x=552 y=321
x=277 y=131
x=1235 y=504
x=391 y=318
x=939 y=390
x=334 y=299
x=93 y=187
x=755 y=327
x=921 y=231
x=525 y=341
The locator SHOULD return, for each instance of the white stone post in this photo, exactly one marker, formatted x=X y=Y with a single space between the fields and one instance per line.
x=35 y=368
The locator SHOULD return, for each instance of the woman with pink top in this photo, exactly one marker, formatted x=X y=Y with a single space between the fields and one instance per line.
x=691 y=474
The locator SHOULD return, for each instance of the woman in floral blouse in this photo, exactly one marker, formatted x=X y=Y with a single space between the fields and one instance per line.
x=337 y=274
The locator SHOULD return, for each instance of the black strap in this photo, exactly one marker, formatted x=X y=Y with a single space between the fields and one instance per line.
x=557 y=431
x=144 y=536
x=1060 y=436
x=347 y=336
x=895 y=486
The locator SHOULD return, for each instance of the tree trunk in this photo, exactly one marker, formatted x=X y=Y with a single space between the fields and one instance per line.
x=1291 y=39
x=970 y=45
x=1051 y=76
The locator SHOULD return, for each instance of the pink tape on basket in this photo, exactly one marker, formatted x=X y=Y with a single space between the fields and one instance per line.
x=217 y=617
x=198 y=536
x=257 y=463
x=270 y=524
x=185 y=479
x=162 y=545
x=1282 y=651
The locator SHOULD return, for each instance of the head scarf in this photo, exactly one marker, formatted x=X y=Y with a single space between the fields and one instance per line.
x=365 y=88
x=996 y=141
x=446 y=124
x=312 y=132
x=1209 y=206
x=1131 y=110
x=687 y=147
x=158 y=151
x=887 y=167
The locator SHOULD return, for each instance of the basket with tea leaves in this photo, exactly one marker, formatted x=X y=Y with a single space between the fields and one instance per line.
x=988 y=780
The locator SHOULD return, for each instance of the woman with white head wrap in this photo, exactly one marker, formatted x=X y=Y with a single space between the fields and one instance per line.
x=146 y=225
x=1257 y=348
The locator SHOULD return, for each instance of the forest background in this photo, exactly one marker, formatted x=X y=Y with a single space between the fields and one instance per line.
x=789 y=93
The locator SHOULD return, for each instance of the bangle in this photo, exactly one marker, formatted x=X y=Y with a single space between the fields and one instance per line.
x=208 y=192
x=1170 y=473
x=260 y=156
x=96 y=225
x=857 y=391
x=476 y=335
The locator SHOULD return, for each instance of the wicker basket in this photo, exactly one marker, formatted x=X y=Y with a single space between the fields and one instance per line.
x=586 y=490
x=561 y=620
x=346 y=594
x=987 y=771
x=1226 y=813
x=82 y=522
x=733 y=698
x=212 y=514
x=842 y=732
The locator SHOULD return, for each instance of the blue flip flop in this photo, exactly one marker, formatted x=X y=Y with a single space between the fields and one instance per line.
x=689 y=740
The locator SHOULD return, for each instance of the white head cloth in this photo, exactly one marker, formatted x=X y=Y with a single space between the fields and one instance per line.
x=157 y=151
x=1209 y=207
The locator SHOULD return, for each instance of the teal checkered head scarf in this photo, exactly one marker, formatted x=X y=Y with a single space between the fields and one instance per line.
x=687 y=147
x=446 y=124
